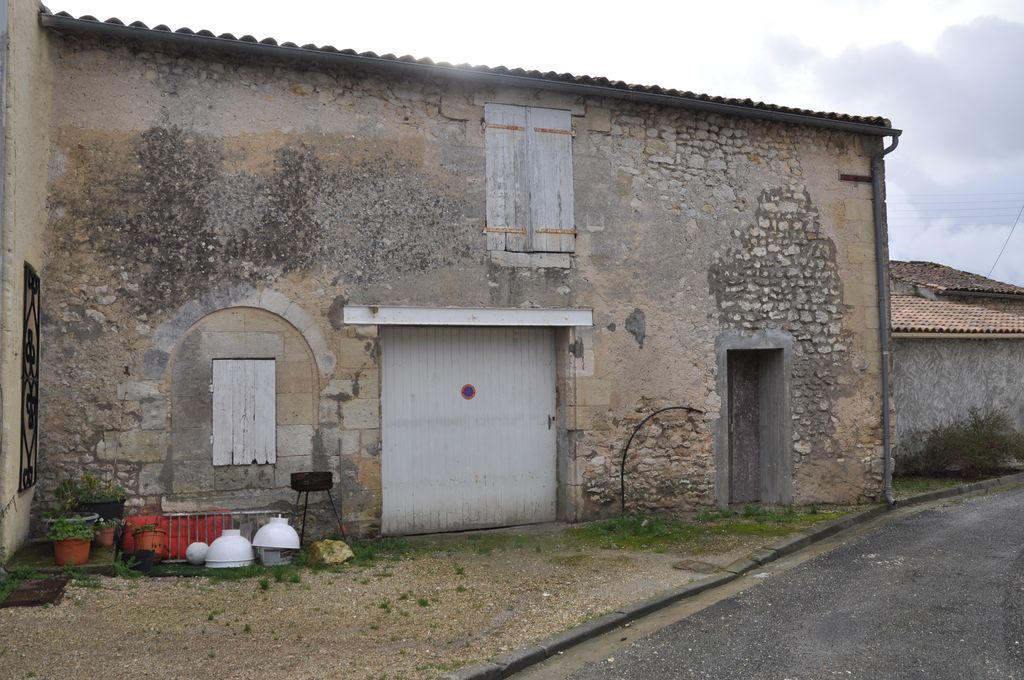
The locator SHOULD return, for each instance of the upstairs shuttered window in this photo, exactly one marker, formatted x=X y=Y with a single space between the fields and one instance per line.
x=529 y=179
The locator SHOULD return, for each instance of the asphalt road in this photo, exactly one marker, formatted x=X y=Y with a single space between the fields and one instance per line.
x=934 y=595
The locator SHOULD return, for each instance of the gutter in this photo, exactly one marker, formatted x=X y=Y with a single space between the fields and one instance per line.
x=971 y=293
x=882 y=284
x=327 y=57
x=923 y=335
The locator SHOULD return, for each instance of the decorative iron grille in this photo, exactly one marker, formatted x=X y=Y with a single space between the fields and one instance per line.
x=30 y=382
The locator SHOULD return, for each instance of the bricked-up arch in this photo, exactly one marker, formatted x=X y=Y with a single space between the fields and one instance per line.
x=187 y=478
x=170 y=332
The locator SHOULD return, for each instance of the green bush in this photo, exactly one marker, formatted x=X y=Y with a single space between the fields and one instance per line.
x=981 y=443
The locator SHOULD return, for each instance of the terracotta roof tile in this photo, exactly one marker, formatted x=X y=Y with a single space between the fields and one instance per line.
x=84 y=23
x=912 y=314
x=940 y=277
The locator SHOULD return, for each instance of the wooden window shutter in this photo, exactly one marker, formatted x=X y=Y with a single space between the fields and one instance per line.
x=244 y=411
x=507 y=206
x=549 y=163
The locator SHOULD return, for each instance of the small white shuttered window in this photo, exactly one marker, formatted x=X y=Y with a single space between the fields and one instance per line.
x=529 y=179
x=244 y=411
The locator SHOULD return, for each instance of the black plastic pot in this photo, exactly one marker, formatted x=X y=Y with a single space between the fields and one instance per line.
x=105 y=509
x=143 y=561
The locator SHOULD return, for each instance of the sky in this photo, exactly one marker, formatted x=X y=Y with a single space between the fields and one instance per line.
x=942 y=71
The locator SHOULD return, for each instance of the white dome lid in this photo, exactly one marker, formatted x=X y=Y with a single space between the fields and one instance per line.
x=231 y=549
x=276 y=534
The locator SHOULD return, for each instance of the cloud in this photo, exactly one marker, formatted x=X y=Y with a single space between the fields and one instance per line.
x=960 y=108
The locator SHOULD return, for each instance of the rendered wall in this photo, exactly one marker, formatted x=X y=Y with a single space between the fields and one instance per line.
x=215 y=184
x=937 y=382
x=26 y=148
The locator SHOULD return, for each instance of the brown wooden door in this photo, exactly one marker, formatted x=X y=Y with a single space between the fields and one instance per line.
x=744 y=427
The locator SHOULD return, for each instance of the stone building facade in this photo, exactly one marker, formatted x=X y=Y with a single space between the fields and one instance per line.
x=208 y=199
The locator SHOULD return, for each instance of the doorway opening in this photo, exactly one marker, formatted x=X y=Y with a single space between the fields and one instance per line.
x=758 y=426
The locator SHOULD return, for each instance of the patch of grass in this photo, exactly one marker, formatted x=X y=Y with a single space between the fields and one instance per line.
x=460 y=589
x=247 y=629
x=366 y=551
x=15 y=577
x=423 y=602
x=912 y=485
x=385 y=605
x=264 y=584
x=80 y=578
x=460 y=570
x=659 y=534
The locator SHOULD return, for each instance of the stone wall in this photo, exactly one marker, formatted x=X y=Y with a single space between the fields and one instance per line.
x=216 y=182
x=937 y=382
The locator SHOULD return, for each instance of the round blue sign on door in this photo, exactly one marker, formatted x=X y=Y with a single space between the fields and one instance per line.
x=468 y=391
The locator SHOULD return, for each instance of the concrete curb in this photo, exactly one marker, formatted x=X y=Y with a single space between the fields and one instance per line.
x=512 y=662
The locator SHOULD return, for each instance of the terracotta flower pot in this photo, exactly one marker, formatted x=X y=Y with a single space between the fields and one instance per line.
x=104 y=537
x=71 y=551
x=151 y=539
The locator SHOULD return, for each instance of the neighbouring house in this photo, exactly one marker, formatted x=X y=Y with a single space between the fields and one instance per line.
x=958 y=345
x=457 y=288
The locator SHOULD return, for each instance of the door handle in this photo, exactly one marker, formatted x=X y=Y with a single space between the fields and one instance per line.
x=551 y=421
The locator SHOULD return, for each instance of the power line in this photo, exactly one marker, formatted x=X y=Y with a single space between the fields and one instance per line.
x=1001 y=250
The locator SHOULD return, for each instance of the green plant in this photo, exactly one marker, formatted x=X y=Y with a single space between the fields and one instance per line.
x=65 y=529
x=264 y=584
x=107 y=523
x=88 y=488
x=385 y=605
x=127 y=569
x=983 y=442
x=423 y=602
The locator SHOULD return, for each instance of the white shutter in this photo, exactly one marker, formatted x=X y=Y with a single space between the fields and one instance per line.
x=244 y=411
x=549 y=162
x=507 y=204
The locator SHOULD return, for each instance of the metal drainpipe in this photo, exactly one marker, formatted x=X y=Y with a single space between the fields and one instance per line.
x=882 y=280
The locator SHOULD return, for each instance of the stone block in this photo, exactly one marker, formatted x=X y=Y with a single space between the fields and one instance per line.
x=191 y=443
x=338 y=387
x=137 y=390
x=329 y=412
x=261 y=321
x=242 y=345
x=598 y=119
x=154 y=361
x=151 y=479
x=361 y=414
x=226 y=320
x=858 y=209
x=286 y=465
x=458 y=108
x=134 y=446
x=349 y=441
x=154 y=415
x=295 y=409
x=192 y=475
x=593 y=392
x=368 y=382
x=294 y=376
x=295 y=348
x=533 y=260
x=355 y=352
x=294 y=440
x=273 y=301
x=231 y=477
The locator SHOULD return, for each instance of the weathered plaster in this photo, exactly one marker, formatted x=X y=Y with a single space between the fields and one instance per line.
x=938 y=382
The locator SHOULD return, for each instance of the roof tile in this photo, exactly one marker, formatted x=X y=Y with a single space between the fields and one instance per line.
x=876 y=121
x=912 y=314
x=943 y=278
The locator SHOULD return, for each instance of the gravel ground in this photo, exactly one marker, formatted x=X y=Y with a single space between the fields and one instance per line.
x=412 y=618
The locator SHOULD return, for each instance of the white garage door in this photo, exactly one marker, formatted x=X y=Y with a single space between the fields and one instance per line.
x=468 y=428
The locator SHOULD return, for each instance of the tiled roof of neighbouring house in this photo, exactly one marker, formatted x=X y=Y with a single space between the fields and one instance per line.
x=62 y=21
x=912 y=314
x=943 y=278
